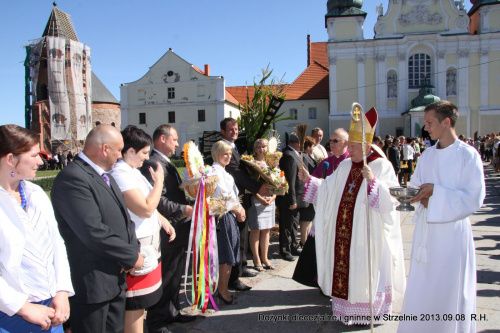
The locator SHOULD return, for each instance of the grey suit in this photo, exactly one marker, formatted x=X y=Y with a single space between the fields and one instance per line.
x=100 y=241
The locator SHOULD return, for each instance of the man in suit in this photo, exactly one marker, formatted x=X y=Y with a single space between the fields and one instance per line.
x=99 y=235
x=176 y=207
x=394 y=156
x=229 y=131
x=289 y=204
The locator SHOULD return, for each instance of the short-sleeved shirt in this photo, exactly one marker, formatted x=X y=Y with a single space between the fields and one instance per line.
x=129 y=178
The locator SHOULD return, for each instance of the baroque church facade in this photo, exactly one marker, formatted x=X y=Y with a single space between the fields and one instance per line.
x=417 y=43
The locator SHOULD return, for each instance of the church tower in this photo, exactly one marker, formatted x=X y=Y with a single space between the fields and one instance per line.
x=484 y=16
x=344 y=20
x=64 y=98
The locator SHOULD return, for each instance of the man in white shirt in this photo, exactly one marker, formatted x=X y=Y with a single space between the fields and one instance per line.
x=408 y=155
x=442 y=276
x=319 y=152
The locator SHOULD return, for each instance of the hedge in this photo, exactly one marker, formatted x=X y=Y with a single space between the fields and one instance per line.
x=45 y=183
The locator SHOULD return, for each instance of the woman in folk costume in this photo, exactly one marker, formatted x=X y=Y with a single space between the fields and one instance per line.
x=341 y=230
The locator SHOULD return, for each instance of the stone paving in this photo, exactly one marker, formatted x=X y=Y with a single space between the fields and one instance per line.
x=275 y=295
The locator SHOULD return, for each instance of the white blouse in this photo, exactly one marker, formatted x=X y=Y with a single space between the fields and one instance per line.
x=33 y=260
x=225 y=186
x=129 y=178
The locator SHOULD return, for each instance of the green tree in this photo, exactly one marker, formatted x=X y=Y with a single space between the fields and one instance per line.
x=256 y=116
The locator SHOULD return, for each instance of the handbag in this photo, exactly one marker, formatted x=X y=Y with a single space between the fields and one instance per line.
x=150 y=260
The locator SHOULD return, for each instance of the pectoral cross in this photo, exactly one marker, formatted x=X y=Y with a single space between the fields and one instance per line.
x=351 y=186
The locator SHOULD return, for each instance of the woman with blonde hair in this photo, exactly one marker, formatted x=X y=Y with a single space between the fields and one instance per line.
x=261 y=215
x=228 y=234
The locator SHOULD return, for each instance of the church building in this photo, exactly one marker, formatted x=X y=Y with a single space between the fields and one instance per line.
x=417 y=43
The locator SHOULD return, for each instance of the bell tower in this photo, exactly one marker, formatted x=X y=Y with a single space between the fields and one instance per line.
x=344 y=20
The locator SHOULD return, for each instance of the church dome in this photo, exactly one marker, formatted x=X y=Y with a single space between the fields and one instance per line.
x=344 y=8
x=425 y=97
x=343 y=4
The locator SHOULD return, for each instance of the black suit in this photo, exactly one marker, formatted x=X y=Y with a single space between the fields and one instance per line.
x=100 y=241
x=290 y=164
x=394 y=158
x=172 y=205
x=243 y=182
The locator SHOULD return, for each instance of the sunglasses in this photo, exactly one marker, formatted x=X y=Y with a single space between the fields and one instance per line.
x=336 y=140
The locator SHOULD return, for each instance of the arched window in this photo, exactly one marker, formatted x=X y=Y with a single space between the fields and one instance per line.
x=419 y=68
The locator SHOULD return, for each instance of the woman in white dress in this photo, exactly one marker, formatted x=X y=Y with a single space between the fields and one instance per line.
x=35 y=279
x=143 y=287
x=228 y=234
x=261 y=215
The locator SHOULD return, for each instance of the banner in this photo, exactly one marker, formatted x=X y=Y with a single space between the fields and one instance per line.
x=88 y=77
x=35 y=54
x=58 y=94
x=82 y=128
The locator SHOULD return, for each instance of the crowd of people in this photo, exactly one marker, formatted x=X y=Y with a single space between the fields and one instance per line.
x=112 y=243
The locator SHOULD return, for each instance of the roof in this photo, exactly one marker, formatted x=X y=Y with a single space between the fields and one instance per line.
x=318 y=53
x=230 y=98
x=481 y=3
x=101 y=94
x=239 y=93
x=311 y=84
x=60 y=25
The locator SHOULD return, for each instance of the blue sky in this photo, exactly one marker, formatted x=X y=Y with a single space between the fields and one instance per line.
x=236 y=38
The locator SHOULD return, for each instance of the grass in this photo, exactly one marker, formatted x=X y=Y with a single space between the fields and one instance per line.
x=46 y=183
x=47 y=173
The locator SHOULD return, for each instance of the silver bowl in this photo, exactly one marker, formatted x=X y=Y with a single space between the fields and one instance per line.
x=404 y=196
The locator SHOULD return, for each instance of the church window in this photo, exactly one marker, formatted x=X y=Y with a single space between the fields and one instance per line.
x=171 y=93
x=312 y=113
x=142 y=94
x=419 y=68
x=171 y=117
x=293 y=112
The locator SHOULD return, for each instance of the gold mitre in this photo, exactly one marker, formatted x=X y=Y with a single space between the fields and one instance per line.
x=356 y=129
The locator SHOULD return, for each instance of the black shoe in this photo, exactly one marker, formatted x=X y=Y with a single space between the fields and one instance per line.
x=296 y=252
x=183 y=319
x=288 y=257
x=163 y=329
x=231 y=302
x=247 y=273
x=239 y=286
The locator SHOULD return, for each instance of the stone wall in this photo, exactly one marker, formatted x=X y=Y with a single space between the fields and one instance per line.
x=106 y=113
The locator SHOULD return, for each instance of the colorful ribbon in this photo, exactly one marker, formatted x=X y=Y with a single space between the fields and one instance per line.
x=202 y=251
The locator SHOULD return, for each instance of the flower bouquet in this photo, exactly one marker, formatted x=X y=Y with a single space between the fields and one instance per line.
x=196 y=170
x=271 y=175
